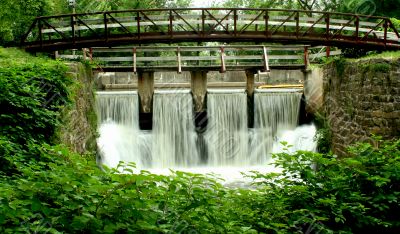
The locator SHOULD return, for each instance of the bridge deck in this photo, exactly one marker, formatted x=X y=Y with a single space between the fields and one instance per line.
x=201 y=25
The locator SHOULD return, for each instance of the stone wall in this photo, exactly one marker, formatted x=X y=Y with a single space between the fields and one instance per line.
x=78 y=129
x=362 y=97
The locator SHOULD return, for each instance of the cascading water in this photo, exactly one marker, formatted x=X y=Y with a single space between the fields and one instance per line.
x=174 y=133
x=227 y=133
x=119 y=107
x=275 y=111
x=227 y=146
x=118 y=115
x=301 y=138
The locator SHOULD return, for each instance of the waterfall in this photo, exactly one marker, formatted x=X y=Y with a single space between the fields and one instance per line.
x=118 y=115
x=227 y=134
x=174 y=136
x=275 y=111
x=119 y=107
x=227 y=141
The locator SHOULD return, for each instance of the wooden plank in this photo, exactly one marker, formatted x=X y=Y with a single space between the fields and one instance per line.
x=195 y=58
x=70 y=56
x=323 y=54
x=199 y=48
x=130 y=59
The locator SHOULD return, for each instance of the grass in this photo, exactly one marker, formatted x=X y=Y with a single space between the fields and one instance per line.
x=385 y=55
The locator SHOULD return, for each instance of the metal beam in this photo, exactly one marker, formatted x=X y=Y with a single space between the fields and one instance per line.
x=217 y=24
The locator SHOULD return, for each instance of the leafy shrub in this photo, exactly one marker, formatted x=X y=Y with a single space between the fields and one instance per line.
x=357 y=194
x=352 y=52
x=67 y=193
x=396 y=23
x=32 y=90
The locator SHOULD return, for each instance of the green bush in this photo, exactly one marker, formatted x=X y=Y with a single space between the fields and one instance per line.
x=32 y=91
x=358 y=194
x=67 y=193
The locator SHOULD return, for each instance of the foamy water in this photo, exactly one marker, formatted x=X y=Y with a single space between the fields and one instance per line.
x=229 y=148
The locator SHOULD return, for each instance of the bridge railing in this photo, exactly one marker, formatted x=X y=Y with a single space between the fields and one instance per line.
x=187 y=58
x=214 y=24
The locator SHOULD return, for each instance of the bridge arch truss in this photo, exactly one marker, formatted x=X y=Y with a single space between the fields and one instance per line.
x=114 y=28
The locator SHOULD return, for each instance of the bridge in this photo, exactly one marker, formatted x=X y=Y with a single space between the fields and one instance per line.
x=201 y=58
x=116 y=28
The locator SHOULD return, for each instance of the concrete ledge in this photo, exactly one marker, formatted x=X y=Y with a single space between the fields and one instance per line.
x=180 y=85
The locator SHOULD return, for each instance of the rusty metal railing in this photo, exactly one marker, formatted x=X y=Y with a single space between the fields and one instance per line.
x=113 y=28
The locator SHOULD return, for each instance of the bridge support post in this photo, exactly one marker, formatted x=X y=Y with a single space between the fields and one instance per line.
x=250 y=82
x=146 y=90
x=250 y=74
x=198 y=86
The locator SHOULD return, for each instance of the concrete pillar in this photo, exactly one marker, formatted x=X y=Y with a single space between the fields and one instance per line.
x=199 y=89
x=313 y=90
x=146 y=90
x=250 y=82
x=250 y=97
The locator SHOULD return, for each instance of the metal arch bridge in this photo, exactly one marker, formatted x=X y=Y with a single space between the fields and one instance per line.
x=115 y=28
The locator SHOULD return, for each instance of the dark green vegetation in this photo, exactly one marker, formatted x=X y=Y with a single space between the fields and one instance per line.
x=32 y=91
x=365 y=7
x=16 y=16
x=44 y=188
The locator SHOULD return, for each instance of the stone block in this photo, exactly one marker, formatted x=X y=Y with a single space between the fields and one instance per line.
x=391 y=115
x=377 y=114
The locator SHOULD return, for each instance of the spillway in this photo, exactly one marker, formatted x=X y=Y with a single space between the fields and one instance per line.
x=174 y=136
x=227 y=145
x=227 y=133
x=275 y=111
x=120 y=138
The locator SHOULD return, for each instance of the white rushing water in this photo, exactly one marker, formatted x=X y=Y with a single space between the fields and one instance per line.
x=120 y=138
x=301 y=138
x=227 y=133
x=174 y=136
x=275 y=111
x=227 y=147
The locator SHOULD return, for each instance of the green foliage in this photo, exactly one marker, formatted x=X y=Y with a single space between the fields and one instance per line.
x=349 y=52
x=396 y=23
x=16 y=16
x=339 y=63
x=32 y=91
x=376 y=67
x=64 y=192
x=358 y=194
x=366 y=7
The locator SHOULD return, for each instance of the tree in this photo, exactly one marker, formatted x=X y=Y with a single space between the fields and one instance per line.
x=307 y=4
x=389 y=8
x=288 y=4
x=17 y=15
